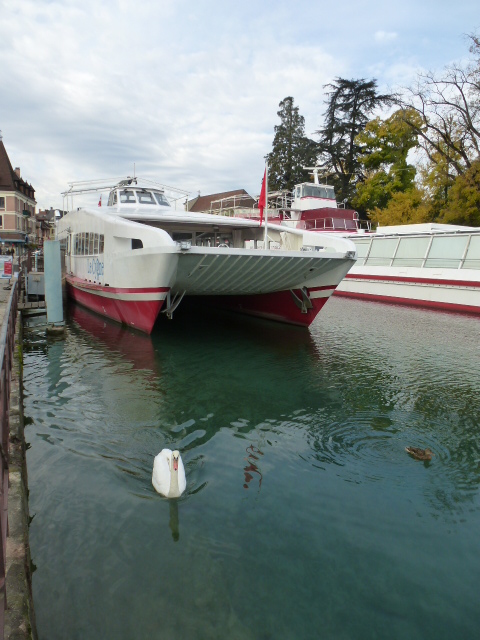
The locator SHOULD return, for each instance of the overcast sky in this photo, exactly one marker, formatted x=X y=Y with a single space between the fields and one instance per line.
x=189 y=90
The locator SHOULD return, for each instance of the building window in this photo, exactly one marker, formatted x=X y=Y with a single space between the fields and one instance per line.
x=1 y=221
x=2 y=202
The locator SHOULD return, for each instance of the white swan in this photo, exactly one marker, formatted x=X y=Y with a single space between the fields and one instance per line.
x=168 y=477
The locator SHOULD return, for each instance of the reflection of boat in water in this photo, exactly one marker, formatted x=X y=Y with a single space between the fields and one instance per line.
x=138 y=255
x=137 y=348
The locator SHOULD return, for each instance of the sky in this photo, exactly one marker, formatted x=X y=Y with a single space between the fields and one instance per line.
x=187 y=92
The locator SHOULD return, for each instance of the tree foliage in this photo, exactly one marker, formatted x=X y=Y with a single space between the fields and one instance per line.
x=449 y=108
x=463 y=203
x=404 y=207
x=384 y=147
x=350 y=104
x=443 y=111
x=291 y=151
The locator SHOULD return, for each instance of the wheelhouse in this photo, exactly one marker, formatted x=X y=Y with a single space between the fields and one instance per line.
x=137 y=196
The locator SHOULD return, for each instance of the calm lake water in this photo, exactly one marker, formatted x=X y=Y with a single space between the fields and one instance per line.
x=303 y=517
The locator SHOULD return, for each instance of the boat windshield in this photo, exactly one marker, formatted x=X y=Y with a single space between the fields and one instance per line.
x=317 y=191
x=161 y=199
x=142 y=196
x=145 y=197
x=127 y=196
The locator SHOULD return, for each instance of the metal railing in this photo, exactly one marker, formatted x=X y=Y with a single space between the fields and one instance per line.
x=336 y=224
x=7 y=343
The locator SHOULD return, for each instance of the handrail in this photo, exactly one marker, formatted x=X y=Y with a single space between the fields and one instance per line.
x=7 y=343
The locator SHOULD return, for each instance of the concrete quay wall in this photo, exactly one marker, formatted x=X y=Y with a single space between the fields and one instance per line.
x=19 y=615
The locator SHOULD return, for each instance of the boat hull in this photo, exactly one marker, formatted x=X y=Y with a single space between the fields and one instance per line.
x=135 y=307
x=442 y=293
x=287 y=307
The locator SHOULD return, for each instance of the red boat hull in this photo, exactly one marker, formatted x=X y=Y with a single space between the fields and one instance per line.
x=280 y=306
x=137 y=308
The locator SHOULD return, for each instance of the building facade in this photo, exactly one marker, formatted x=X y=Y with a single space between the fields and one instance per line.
x=17 y=206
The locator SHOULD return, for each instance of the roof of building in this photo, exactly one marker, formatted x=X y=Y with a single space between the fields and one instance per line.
x=9 y=180
x=203 y=203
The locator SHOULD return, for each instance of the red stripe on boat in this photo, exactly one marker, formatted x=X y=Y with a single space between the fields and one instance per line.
x=431 y=304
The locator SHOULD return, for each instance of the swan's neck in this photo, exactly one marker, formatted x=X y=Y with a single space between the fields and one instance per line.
x=173 y=482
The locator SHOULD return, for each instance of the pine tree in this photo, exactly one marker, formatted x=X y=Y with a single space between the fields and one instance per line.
x=349 y=106
x=291 y=151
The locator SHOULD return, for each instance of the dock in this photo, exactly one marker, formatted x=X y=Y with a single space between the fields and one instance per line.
x=17 y=618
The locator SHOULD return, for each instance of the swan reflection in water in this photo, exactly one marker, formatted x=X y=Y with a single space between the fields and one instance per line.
x=251 y=467
x=174 y=523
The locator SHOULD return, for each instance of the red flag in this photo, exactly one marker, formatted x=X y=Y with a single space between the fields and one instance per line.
x=262 y=199
x=100 y=201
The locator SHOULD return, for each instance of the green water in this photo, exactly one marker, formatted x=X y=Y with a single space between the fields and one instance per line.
x=303 y=517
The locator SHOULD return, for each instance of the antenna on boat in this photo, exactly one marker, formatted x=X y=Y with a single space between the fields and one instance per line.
x=134 y=171
x=315 y=171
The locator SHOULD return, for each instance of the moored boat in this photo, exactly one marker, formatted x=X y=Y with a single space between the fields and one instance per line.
x=428 y=265
x=139 y=256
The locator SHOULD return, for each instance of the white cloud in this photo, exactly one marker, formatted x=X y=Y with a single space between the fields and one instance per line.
x=385 y=37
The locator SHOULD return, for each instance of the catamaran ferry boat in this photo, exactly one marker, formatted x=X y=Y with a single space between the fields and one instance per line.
x=426 y=265
x=138 y=256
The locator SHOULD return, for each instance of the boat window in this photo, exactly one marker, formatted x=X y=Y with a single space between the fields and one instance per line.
x=127 y=196
x=446 y=251
x=95 y=244
x=91 y=242
x=411 y=252
x=145 y=197
x=330 y=193
x=382 y=251
x=363 y=246
x=317 y=191
x=472 y=259
x=101 y=243
x=178 y=237
x=137 y=243
x=161 y=199
x=110 y=199
x=114 y=199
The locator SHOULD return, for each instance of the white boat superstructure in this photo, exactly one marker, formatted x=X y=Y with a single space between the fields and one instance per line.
x=137 y=254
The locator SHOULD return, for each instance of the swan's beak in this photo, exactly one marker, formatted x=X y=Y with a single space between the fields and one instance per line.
x=175 y=464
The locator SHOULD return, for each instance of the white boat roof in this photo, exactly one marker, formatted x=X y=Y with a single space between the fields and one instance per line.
x=426 y=227
x=150 y=214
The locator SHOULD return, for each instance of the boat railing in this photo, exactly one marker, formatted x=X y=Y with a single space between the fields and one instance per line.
x=333 y=224
x=223 y=206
